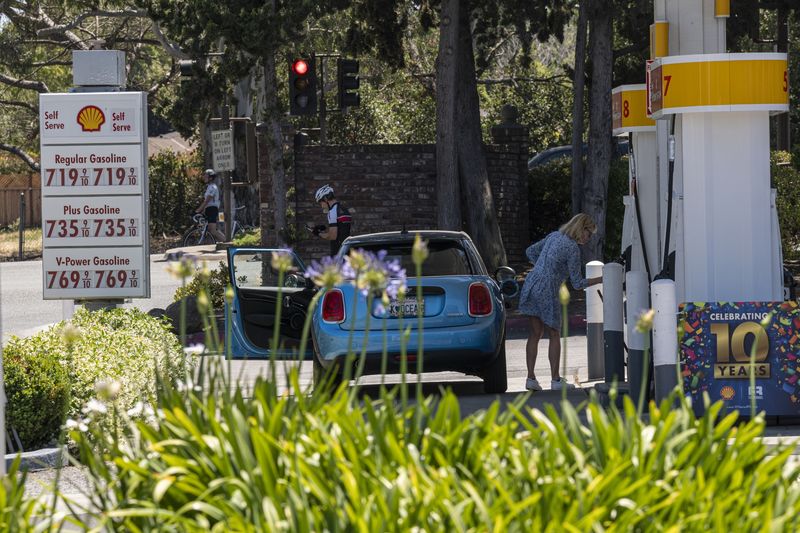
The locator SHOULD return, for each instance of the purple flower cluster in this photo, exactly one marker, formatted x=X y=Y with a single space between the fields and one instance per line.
x=370 y=272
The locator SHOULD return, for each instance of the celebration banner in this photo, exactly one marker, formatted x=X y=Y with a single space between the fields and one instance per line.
x=717 y=340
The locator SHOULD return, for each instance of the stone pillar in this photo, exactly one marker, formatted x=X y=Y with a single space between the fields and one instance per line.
x=509 y=180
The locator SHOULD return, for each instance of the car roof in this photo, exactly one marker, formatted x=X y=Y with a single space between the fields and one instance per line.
x=409 y=235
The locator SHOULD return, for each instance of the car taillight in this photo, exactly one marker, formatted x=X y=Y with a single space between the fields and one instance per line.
x=480 y=300
x=333 y=307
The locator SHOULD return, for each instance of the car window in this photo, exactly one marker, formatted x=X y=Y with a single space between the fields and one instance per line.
x=445 y=257
x=254 y=269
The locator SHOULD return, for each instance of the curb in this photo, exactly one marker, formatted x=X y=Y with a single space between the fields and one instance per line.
x=37 y=459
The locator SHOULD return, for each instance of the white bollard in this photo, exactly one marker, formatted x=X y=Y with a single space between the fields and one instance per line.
x=637 y=301
x=665 y=337
x=613 y=336
x=594 y=323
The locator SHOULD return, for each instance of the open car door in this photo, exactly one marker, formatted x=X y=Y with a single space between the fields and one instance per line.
x=258 y=294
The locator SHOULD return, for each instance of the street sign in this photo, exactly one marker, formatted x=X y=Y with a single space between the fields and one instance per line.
x=94 y=195
x=222 y=146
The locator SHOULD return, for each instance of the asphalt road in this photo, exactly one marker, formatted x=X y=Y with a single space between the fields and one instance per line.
x=23 y=311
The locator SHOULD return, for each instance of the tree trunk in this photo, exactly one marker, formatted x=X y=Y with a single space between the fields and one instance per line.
x=274 y=141
x=600 y=143
x=447 y=182
x=578 y=84
x=479 y=210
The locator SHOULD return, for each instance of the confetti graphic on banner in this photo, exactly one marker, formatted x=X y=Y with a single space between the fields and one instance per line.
x=780 y=380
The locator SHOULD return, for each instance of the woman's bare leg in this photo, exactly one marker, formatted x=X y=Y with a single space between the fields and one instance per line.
x=532 y=347
x=554 y=352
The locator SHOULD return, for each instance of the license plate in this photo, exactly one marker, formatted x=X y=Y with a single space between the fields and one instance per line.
x=408 y=307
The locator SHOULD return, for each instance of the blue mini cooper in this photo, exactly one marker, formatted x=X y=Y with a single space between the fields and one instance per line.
x=463 y=310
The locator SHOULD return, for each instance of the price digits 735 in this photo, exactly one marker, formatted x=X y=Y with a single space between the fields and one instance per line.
x=97 y=227
x=92 y=279
x=90 y=177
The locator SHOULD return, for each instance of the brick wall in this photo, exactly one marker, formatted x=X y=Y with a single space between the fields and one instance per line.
x=389 y=186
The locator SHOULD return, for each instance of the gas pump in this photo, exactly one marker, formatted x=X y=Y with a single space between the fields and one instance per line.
x=717 y=236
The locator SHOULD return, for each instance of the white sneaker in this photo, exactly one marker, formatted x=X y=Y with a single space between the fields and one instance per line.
x=532 y=385
x=560 y=383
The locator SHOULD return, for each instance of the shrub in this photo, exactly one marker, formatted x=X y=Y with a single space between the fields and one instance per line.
x=176 y=189
x=276 y=462
x=37 y=387
x=786 y=179
x=213 y=281
x=248 y=240
x=117 y=345
x=550 y=200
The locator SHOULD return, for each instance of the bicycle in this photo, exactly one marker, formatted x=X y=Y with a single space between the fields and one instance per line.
x=198 y=234
x=239 y=229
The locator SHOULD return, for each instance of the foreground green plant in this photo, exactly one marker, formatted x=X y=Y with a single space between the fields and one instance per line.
x=210 y=455
x=220 y=461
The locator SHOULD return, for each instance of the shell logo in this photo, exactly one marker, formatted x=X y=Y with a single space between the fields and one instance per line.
x=727 y=392
x=91 y=118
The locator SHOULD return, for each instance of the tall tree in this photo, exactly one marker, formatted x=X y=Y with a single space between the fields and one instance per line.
x=579 y=83
x=482 y=27
x=36 y=40
x=600 y=143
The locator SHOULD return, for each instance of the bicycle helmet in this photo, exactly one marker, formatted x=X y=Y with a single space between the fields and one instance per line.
x=210 y=172
x=322 y=192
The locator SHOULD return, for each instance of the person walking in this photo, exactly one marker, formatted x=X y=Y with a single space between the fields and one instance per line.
x=339 y=218
x=210 y=205
x=554 y=259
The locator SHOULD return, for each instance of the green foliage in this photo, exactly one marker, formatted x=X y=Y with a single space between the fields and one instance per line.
x=550 y=187
x=230 y=461
x=249 y=239
x=38 y=388
x=176 y=189
x=18 y=511
x=786 y=179
x=213 y=281
x=54 y=373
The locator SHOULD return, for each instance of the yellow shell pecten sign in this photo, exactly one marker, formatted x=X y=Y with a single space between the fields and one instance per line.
x=91 y=118
x=718 y=82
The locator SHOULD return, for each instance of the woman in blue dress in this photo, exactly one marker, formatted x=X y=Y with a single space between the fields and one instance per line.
x=554 y=258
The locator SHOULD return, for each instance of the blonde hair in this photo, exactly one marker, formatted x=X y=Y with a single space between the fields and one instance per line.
x=574 y=228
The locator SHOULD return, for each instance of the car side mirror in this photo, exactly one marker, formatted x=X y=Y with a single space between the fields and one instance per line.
x=504 y=273
x=295 y=280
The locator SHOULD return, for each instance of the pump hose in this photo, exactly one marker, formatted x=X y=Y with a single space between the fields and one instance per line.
x=665 y=274
x=638 y=210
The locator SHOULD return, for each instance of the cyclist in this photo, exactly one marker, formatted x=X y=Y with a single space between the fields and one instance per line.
x=210 y=205
x=339 y=219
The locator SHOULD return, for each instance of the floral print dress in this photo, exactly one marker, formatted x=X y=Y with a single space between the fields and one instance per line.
x=554 y=258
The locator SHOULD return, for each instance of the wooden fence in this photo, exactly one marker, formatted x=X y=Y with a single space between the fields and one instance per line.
x=9 y=206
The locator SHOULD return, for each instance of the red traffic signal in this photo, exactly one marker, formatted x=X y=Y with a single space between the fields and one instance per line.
x=300 y=67
x=302 y=86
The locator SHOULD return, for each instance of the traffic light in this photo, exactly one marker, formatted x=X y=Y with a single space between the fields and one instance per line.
x=302 y=87
x=347 y=76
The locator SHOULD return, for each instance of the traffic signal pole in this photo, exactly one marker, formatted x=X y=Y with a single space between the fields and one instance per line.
x=323 y=117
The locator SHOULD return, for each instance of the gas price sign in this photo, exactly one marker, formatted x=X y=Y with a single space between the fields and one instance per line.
x=109 y=221
x=76 y=171
x=94 y=195
x=76 y=273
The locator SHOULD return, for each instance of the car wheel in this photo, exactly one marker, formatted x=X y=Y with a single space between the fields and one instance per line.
x=495 y=376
